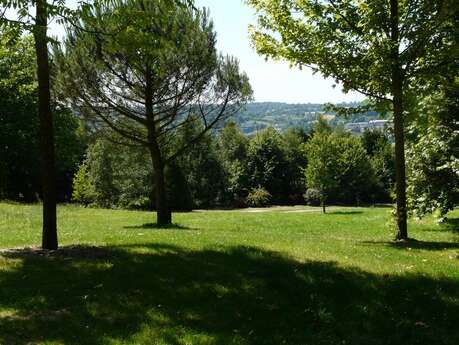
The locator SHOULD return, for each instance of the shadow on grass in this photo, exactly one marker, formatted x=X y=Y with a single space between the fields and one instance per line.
x=415 y=244
x=151 y=293
x=451 y=224
x=332 y=213
x=159 y=227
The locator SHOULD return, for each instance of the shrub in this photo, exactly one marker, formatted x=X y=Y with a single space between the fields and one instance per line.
x=258 y=197
x=312 y=197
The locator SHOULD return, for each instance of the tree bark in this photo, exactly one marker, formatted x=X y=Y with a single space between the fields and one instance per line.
x=163 y=212
x=397 y=102
x=49 y=237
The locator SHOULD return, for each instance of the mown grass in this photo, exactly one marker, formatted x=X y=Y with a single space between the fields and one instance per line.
x=290 y=276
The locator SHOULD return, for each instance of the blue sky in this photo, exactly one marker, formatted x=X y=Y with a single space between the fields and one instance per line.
x=270 y=80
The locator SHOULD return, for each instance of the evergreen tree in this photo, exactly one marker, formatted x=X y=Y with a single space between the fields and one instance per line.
x=145 y=69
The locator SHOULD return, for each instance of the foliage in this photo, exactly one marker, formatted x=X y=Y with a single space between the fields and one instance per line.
x=338 y=167
x=382 y=49
x=202 y=168
x=224 y=167
x=179 y=192
x=381 y=154
x=322 y=172
x=353 y=41
x=232 y=146
x=322 y=126
x=293 y=141
x=19 y=126
x=121 y=176
x=313 y=197
x=267 y=163
x=258 y=197
x=373 y=140
x=83 y=190
x=433 y=152
x=146 y=70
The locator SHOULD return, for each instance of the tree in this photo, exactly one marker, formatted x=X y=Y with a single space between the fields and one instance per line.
x=233 y=147
x=267 y=164
x=201 y=167
x=338 y=167
x=380 y=152
x=378 y=48
x=294 y=140
x=322 y=170
x=373 y=139
x=145 y=69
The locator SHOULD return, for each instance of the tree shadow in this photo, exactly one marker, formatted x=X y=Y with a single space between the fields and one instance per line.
x=152 y=293
x=337 y=213
x=415 y=244
x=451 y=224
x=156 y=226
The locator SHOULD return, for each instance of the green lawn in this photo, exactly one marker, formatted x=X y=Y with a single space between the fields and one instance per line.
x=288 y=276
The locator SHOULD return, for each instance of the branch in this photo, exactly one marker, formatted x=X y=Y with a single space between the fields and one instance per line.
x=203 y=132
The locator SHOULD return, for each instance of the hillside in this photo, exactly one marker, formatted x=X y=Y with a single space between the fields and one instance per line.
x=259 y=115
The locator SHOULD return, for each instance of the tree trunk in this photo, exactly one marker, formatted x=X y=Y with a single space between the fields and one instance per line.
x=163 y=212
x=49 y=239
x=397 y=102
x=400 y=178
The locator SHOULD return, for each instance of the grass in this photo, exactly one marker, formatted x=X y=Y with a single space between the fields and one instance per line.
x=288 y=276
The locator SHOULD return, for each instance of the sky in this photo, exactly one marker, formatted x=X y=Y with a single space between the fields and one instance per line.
x=272 y=81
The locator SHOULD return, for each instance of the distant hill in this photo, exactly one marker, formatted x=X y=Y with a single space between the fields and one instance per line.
x=259 y=115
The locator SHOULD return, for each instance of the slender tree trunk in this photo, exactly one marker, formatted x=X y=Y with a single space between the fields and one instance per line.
x=163 y=212
x=397 y=102
x=49 y=239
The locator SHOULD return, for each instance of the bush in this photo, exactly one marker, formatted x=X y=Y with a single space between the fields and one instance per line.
x=312 y=197
x=258 y=197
